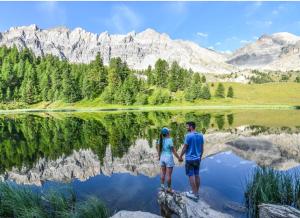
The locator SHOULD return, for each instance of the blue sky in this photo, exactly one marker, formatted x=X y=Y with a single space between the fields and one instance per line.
x=224 y=26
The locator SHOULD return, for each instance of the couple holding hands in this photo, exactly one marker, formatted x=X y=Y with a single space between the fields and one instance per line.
x=192 y=149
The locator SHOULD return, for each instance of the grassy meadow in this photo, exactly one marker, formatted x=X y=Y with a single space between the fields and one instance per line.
x=269 y=95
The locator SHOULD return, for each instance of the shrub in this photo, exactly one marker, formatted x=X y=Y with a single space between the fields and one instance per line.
x=160 y=96
x=141 y=99
x=269 y=186
x=16 y=201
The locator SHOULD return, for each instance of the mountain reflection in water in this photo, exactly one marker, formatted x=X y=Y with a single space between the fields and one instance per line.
x=106 y=153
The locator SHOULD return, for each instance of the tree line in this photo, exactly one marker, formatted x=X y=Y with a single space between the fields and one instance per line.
x=25 y=139
x=30 y=79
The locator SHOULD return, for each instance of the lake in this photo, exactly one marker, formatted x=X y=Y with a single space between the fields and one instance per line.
x=112 y=155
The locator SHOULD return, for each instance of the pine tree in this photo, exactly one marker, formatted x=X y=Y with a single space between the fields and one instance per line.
x=173 y=77
x=45 y=86
x=29 y=88
x=55 y=76
x=8 y=94
x=220 y=91
x=161 y=73
x=70 y=87
x=150 y=76
x=196 y=78
x=205 y=94
x=1 y=88
x=7 y=71
x=230 y=93
x=127 y=93
x=193 y=92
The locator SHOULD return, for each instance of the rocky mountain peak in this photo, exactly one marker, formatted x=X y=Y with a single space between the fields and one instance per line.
x=285 y=37
x=142 y=49
x=139 y=50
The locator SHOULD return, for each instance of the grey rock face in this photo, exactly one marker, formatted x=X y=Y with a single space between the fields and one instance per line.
x=134 y=214
x=138 y=50
x=277 y=211
x=279 y=51
x=186 y=208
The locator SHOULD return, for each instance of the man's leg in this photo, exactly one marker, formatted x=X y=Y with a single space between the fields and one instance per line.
x=193 y=184
x=197 y=180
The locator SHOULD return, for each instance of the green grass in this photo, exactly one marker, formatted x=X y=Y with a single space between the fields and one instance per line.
x=22 y=202
x=269 y=95
x=269 y=186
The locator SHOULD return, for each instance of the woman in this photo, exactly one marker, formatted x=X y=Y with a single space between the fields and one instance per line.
x=165 y=151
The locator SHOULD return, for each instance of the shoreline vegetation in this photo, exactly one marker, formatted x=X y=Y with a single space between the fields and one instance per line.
x=267 y=185
x=149 y=108
x=22 y=201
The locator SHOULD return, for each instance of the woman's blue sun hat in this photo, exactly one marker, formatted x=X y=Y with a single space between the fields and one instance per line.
x=165 y=131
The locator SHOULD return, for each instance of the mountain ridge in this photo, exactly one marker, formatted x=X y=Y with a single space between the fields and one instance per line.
x=139 y=50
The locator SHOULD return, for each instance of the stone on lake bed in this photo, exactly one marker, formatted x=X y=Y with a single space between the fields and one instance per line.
x=134 y=214
x=277 y=211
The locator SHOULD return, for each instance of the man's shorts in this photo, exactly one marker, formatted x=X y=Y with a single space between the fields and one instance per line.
x=192 y=167
x=166 y=161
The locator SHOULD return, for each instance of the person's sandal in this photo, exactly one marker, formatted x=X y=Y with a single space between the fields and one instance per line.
x=170 y=191
x=192 y=196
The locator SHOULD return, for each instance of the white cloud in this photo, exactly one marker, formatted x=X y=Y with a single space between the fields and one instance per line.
x=244 y=41
x=218 y=43
x=124 y=19
x=205 y=35
x=255 y=37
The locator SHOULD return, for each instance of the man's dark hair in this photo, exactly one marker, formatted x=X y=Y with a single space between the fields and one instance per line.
x=191 y=124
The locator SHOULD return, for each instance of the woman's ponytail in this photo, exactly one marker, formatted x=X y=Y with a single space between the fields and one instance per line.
x=160 y=144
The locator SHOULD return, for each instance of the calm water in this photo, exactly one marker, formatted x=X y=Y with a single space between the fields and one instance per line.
x=112 y=155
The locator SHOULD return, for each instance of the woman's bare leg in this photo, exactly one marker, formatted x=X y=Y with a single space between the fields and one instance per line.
x=162 y=175
x=169 y=176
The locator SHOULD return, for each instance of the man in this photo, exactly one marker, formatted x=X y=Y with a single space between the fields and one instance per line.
x=193 y=150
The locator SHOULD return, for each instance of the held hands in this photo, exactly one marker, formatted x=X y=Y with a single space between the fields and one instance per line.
x=180 y=159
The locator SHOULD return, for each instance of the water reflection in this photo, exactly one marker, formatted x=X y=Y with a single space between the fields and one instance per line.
x=85 y=149
x=27 y=138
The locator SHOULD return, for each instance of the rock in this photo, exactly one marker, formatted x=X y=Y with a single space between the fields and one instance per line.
x=139 y=50
x=134 y=214
x=186 y=208
x=279 y=51
x=277 y=211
